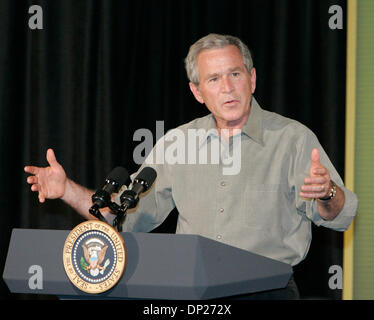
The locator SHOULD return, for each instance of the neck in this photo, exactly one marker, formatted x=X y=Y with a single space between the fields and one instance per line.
x=226 y=128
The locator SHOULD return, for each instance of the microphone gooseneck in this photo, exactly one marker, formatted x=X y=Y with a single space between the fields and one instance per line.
x=130 y=198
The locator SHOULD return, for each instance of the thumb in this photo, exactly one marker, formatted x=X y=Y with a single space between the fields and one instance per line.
x=51 y=158
x=314 y=157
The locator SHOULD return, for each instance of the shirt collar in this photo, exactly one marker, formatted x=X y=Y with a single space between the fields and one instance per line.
x=252 y=128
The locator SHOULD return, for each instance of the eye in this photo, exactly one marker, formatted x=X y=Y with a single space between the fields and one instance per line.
x=235 y=74
x=214 y=79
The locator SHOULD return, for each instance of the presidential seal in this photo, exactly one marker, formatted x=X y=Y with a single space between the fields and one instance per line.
x=94 y=256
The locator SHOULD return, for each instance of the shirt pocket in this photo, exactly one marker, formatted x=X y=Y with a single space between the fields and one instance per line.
x=266 y=206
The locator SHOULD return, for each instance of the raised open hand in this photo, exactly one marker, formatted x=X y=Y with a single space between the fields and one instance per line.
x=49 y=181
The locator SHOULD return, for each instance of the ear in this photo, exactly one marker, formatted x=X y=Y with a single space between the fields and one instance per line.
x=253 y=79
x=196 y=92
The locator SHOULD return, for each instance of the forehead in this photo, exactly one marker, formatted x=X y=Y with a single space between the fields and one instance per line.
x=219 y=60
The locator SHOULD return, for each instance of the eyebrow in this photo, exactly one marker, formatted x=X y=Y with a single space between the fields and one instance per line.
x=212 y=75
x=236 y=69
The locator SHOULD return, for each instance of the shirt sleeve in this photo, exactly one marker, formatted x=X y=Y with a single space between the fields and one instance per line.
x=310 y=207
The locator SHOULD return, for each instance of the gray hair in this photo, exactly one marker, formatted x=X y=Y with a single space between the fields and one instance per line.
x=214 y=41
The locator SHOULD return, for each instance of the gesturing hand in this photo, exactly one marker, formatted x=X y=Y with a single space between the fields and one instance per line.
x=317 y=185
x=50 y=181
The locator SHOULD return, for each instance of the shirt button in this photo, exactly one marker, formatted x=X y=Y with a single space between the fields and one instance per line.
x=219 y=237
x=223 y=183
x=221 y=210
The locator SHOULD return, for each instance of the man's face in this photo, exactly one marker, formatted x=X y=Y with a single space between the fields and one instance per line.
x=225 y=85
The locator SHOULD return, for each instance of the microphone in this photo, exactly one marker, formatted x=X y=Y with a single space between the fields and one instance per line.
x=114 y=181
x=143 y=181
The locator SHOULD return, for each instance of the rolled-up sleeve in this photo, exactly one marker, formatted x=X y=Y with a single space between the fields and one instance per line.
x=344 y=219
x=310 y=207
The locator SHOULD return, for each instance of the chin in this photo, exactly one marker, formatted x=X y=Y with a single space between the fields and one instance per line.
x=233 y=116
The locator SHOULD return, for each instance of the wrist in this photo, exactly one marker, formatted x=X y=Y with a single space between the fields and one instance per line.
x=67 y=191
x=332 y=192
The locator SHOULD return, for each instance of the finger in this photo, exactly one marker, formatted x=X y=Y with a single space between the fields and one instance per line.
x=51 y=158
x=35 y=187
x=313 y=188
x=312 y=195
x=31 y=169
x=41 y=198
x=315 y=180
x=32 y=180
x=320 y=171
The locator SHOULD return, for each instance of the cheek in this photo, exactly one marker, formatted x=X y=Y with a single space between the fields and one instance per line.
x=246 y=91
x=210 y=98
x=245 y=86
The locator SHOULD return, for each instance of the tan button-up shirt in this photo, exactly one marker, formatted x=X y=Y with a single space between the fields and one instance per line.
x=256 y=207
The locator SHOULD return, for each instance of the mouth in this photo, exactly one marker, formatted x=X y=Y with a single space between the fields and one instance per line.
x=230 y=102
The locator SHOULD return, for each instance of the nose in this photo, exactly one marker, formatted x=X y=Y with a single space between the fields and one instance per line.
x=226 y=85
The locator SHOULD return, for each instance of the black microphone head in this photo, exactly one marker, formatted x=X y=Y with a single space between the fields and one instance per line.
x=118 y=177
x=142 y=182
x=114 y=181
x=148 y=175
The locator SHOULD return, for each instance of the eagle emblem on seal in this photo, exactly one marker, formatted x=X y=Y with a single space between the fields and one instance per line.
x=94 y=255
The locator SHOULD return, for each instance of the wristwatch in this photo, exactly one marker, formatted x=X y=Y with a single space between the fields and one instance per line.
x=332 y=192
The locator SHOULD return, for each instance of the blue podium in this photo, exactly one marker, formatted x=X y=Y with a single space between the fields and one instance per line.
x=158 y=266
